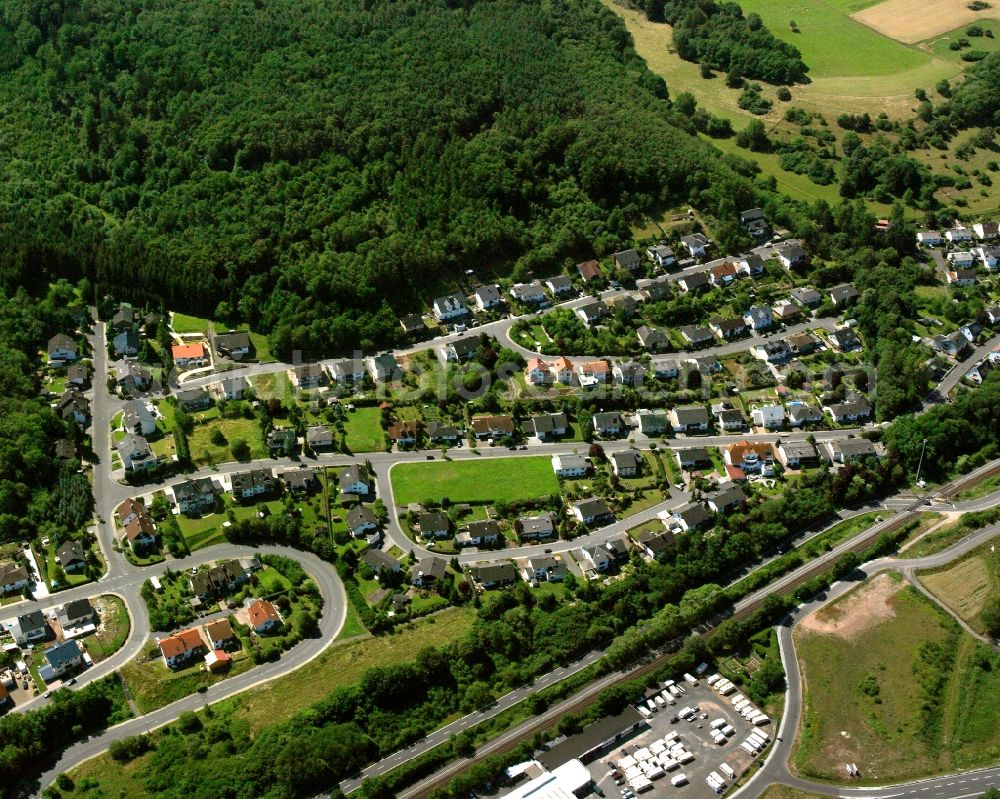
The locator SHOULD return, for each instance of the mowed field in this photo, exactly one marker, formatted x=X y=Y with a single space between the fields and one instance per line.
x=487 y=480
x=966 y=584
x=894 y=685
x=916 y=20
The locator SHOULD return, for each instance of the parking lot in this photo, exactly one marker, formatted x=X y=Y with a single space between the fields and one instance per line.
x=703 y=753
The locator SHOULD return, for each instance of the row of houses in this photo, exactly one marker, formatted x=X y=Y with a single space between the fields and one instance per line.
x=959 y=234
x=214 y=640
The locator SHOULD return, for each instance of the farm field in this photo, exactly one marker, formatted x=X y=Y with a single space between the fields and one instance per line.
x=965 y=585
x=894 y=685
x=915 y=20
x=487 y=480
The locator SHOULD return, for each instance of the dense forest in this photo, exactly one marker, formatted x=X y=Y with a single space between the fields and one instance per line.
x=315 y=168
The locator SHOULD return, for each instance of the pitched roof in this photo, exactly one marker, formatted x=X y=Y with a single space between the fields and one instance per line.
x=220 y=630
x=181 y=643
x=261 y=611
x=187 y=351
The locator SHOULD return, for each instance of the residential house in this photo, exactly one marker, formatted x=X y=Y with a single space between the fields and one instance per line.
x=653 y=339
x=442 y=432
x=797 y=454
x=786 y=311
x=608 y=424
x=694 y=458
x=851 y=410
x=591 y=511
x=62 y=348
x=383 y=368
x=14 y=577
x=971 y=331
x=403 y=433
x=76 y=613
x=843 y=295
x=231 y=388
x=985 y=230
x=546 y=426
x=989 y=254
x=695 y=281
x=355 y=480
x=451 y=306
x=592 y=559
x=532 y=293
x=536 y=372
x=801 y=414
x=280 y=440
x=849 y=450
x=78 y=375
x=196 y=496
x=182 y=647
x=652 y=422
x=629 y=373
x=724 y=274
x=770 y=416
x=493 y=428
x=362 y=523
x=189 y=355
x=751 y=265
x=993 y=315
x=727 y=497
x=28 y=628
x=570 y=466
x=379 y=561
x=806 y=296
x=618 y=546
x=844 y=340
x=791 y=256
x=310 y=375
x=626 y=464
x=263 y=617
x=412 y=324
x=138 y=418
x=60 y=660
x=962 y=259
x=697 y=336
x=428 y=571
x=802 y=344
x=460 y=350
x=193 y=399
x=929 y=238
x=652 y=544
x=65 y=449
x=727 y=417
x=319 y=437
x=754 y=222
x=234 y=344
x=493 y=574
x=544 y=568
x=628 y=260
x=661 y=255
x=350 y=371
x=592 y=312
x=623 y=305
x=223 y=578
x=688 y=418
x=758 y=318
x=532 y=528
x=73 y=405
x=963 y=277
x=749 y=457
x=482 y=532
x=434 y=524
x=487 y=297
x=71 y=557
x=727 y=329
x=123 y=318
x=252 y=483
x=135 y=453
x=300 y=482
x=559 y=285
x=653 y=289
x=772 y=351
x=126 y=344
x=593 y=372
x=590 y=271
x=665 y=368
x=958 y=234
x=221 y=636
x=690 y=516
x=697 y=244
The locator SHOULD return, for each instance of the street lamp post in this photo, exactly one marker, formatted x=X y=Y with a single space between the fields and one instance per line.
x=920 y=462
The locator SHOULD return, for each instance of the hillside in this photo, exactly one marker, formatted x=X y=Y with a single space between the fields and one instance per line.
x=316 y=168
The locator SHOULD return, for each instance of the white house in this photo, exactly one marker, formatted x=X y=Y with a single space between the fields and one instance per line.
x=929 y=238
x=696 y=244
x=988 y=254
x=354 y=480
x=488 y=297
x=958 y=234
x=569 y=466
x=962 y=258
x=759 y=317
x=985 y=230
x=769 y=416
x=448 y=307
x=661 y=255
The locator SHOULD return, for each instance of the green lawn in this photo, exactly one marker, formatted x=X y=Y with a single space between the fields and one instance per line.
x=204 y=531
x=204 y=451
x=182 y=323
x=487 y=480
x=364 y=431
x=112 y=637
x=152 y=685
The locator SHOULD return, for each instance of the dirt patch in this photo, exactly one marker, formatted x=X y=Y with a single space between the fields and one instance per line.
x=912 y=21
x=862 y=608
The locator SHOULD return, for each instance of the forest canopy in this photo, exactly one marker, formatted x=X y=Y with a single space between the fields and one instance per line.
x=316 y=168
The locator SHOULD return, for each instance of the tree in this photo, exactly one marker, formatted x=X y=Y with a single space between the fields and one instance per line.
x=240 y=449
x=990 y=614
x=654 y=11
x=753 y=137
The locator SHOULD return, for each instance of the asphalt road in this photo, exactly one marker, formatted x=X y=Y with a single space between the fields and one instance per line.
x=954 y=377
x=775 y=768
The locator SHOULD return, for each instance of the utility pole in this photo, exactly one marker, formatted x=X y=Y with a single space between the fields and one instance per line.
x=920 y=462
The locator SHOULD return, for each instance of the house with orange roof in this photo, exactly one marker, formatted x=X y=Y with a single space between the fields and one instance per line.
x=263 y=617
x=536 y=372
x=724 y=274
x=561 y=370
x=598 y=371
x=590 y=271
x=749 y=457
x=189 y=355
x=182 y=647
x=218 y=660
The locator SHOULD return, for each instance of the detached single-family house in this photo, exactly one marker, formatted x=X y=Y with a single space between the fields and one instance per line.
x=126 y=344
x=751 y=265
x=690 y=516
x=263 y=617
x=592 y=312
x=770 y=416
x=193 y=399
x=697 y=336
x=791 y=256
x=653 y=339
x=570 y=466
x=727 y=417
x=60 y=660
x=694 y=458
x=231 y=388
x=963 y=277
x=28 y=628
x=189 y=355
x=608 y=424
x=546 y=426
x=71 y=556
x=412 y=324
x=665 y=368
x=651 y=544
x=696 y=281
x=379 y=561
x=653 y=289
x=749 y=457
x=280 y=440
x=488 y=297
x=123 y=318
x=626 y=464
x=628 y=260
x=929 y=238
x=971 y=331
x=13 y=577
x=428 y=571
x=451 y=306
x=686 y=418
x=493 y=574
x=590 y=271
x=806 y=296
x=310 y=375
x=629 y=373
x=434 y=524
x=593 y=372
x=138 y=418
x=593 y=558
x=234 y=344
x=652 y=422
x=532 y=528
x=77 y=613
x=993 y=315
x=724 y=274
x=62 y=348
x=73 y=405
x=849 y=450
x=727 y=497
x=985 y=230
x=182 y=647
x=989 y=255
x=479 y=533
x=852 y=410
x=727 y=329
x=195 y=496
x=592 y=510
x=78 y=375
x=494 y=428
x=776 y=351
x=319 y=437
x=300 y=482
x=362 y=523
x=844 y=340
x=354 y=480
x=559 y=285
x=442 y=432
x=383 y=368
x=754 y=222
x=786 y=311
x=843 y=295
x=697 y=244
x=661 y=255
x=800 y=414
x=624 y=305
x=460 y=350
x=802 y=343
x=758 y=318
x=349 y=371
x=529 y=293
x=797 y=454
x=958 y=234
x=252 y=483
x=221 y=636
x=135 y=453
x=403 y=433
